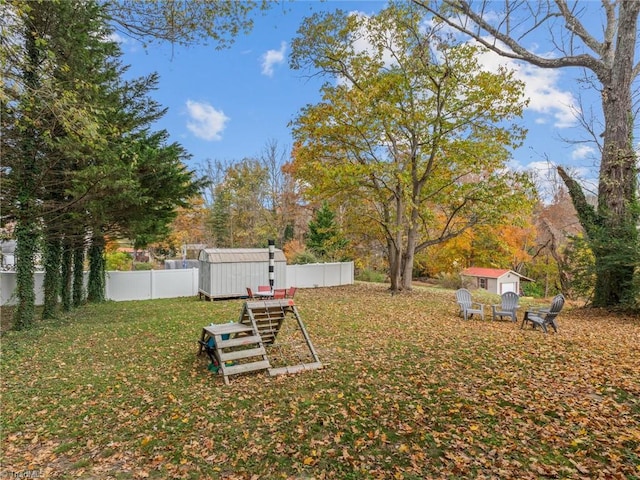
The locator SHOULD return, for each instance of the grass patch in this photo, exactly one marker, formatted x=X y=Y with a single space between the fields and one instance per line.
x=409 y=390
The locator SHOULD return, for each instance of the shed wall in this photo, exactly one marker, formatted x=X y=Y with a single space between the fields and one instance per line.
x=508 y=283
x=204 y=278
x=232 y=279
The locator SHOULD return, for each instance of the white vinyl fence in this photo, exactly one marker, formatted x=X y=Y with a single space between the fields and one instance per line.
x=315 y=275
x=151 y=284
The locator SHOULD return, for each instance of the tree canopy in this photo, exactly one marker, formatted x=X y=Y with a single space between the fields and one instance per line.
x=411 y=135
x=79 y=158
x=608 y=53
x=185 y=22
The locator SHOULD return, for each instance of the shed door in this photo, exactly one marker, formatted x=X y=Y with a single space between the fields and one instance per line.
x=509 y=287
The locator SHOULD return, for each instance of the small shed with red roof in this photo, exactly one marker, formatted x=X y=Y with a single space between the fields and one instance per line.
x=494 y=280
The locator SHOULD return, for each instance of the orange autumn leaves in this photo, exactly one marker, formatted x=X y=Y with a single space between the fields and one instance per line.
x=409 y=390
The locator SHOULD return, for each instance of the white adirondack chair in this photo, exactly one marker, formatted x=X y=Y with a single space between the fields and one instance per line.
x=467 y=306
x=545 y=316
x=507 y=307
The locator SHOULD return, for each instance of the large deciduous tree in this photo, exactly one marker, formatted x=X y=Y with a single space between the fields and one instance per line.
x=608 y=55
x=185 y=22
x=412 y=136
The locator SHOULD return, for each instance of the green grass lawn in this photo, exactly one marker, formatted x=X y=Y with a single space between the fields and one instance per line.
x=408 y=391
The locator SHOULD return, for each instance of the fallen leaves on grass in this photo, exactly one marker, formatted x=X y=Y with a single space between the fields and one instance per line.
x=409 y=391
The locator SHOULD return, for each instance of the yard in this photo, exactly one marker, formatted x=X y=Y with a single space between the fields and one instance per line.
x=408 y=391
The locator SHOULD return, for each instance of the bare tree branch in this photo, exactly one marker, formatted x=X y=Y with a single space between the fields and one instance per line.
x=515 y=48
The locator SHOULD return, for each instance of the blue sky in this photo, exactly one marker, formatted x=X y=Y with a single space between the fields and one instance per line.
x=227 y=104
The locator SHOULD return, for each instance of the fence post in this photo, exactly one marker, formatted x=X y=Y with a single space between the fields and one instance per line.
x=195 y=278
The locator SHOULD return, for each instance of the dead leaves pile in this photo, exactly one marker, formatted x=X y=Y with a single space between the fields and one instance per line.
x=409 y=391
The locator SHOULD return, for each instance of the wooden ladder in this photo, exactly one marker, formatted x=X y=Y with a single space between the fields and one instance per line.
x=267 y=317
x=237 y=348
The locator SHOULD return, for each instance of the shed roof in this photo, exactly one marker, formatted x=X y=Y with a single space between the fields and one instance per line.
x=239 y=255
x=490 y=273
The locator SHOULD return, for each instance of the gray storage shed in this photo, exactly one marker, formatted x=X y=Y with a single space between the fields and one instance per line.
x=227 y=272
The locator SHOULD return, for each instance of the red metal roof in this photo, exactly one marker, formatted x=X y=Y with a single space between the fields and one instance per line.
x=485 y=272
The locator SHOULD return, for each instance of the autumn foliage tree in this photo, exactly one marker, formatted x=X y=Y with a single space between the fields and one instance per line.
x=253 y=200
x=507 y=245
x=609 y=60
x=189 y=227
x=411 y=134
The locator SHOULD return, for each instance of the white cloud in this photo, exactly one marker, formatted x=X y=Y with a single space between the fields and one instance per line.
x=205 y=121
x=363 y=42
x=582 y=151
x=117 y=38
x=547 y=180
x=272 y=58
x=542 y=88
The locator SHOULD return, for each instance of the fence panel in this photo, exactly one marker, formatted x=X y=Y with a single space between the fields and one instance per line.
x=177 y=283
x=123 y=286
x=313 y=275
x=8 y=283
x=150 y=284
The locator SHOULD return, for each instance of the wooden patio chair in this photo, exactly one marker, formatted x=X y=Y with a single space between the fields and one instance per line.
x=545 y=316
x=507 y=307
x=467 y=306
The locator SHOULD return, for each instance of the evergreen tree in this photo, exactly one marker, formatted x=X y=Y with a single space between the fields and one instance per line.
x=81 y=162
x=325 y=238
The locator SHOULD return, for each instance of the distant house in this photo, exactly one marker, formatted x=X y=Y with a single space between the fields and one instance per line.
x=8 y=252
x=494 y=280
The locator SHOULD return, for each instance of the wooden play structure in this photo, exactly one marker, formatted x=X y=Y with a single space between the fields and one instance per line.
x=269 y=335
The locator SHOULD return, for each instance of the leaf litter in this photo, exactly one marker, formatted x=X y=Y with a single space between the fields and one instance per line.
x=409 y=391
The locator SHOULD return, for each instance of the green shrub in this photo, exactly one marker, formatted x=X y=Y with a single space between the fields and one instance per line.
x=452 y=281
x=118 y=261
x=142 y=266
x=532 y=289
x=303 y=258
x=367 y=275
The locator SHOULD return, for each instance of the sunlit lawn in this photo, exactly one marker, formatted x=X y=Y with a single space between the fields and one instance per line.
x=408 y=391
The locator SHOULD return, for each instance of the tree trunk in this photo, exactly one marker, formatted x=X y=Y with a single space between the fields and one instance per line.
x=27 y=230
x=66 y=284
x=407 y=270
x=52 y=277
x=78 y=273
x=395 y=264
x=97 y=272
x=409 y=254
x=614 y=241
x=394 y=241
x=26 y=240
